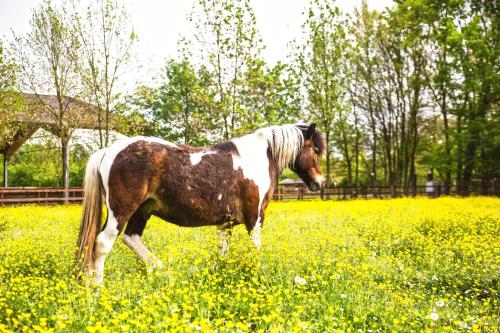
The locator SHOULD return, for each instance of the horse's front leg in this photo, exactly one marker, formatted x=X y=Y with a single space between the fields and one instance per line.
x=256 y=234
x=224 y=233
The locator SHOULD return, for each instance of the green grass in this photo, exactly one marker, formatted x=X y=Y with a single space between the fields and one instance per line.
x=394 y=265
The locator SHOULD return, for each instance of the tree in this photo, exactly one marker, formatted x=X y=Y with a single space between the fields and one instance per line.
x=106 y=39
x=365 y=61
x=322 y=62
x=11 y=106
x=225 y=40
x=269 y=96
x=48 y=66
x=440 y=70
x=477 y=51
x=181 y=104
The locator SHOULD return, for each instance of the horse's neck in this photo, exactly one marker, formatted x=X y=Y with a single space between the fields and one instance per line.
x=253 y=148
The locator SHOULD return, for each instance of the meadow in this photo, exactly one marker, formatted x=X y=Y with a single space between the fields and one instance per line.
x=402 y=265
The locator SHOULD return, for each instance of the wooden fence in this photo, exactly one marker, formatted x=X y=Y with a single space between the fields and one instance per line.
x=36 y=195
x=27 y=195
x=345 y=193
x=371 y=192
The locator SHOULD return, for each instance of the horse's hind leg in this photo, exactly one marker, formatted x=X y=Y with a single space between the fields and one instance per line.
x=132 y=237
x=105 y=240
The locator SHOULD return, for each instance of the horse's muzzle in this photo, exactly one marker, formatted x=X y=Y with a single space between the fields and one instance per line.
x=313 y=187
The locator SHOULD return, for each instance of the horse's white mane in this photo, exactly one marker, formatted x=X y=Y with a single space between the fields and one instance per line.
x=285 y=143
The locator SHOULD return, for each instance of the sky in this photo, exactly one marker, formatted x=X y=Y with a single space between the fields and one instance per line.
x=160 y=22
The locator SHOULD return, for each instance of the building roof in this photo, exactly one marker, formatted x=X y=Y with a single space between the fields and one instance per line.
x=45 y=111
x=42 y=111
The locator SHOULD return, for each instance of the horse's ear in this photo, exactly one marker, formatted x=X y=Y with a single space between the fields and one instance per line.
x=310 y=131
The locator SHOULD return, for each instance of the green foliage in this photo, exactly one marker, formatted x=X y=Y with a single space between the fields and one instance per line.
x=269 y=96
x=226 y=41
x=181 y=105
x=40 y=165
x=323 y=66
x=11 y=102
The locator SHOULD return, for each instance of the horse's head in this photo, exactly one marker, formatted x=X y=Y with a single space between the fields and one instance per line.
x=307 y=163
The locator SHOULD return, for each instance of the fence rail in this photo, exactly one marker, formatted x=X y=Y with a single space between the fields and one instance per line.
x=24 y=195
x=35 y=195
x=370 y=192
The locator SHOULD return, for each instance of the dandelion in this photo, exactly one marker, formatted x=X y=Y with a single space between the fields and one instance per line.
x=300 y=281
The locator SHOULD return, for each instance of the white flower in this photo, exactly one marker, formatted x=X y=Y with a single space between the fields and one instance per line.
x=440 y=303
x=463 y=325
x=300 y=281
x=343 y=296
x=434 y=316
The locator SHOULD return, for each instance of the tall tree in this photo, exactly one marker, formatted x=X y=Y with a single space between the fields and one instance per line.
x=322 y=61
x=441 y=70
x=363 y=84
x=225 y=39
x=478 y=54
x=11 y=107
x=106 y=39
x=48 y=66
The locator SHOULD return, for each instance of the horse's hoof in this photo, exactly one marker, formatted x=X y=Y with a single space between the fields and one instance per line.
x=155 y=265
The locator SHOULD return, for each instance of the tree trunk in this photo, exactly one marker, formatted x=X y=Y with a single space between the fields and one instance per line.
x=5 y=170
x=356 y=158
x=328 y=168
x=65 y=167
x=347 y=157
x=459 y=156
x=447 y=147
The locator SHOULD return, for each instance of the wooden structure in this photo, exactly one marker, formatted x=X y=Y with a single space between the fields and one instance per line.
x=34 y=195
x=40 y=114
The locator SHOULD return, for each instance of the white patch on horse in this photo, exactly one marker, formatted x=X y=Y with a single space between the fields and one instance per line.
x=219 y=197
x=196 y=157
x=253 y=161
x=319 y=179
x=103 y=244
x=284 y=142
x=256 y=235
x=135 y=243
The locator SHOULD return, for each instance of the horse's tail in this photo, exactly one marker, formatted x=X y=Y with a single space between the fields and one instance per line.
x=91 y=215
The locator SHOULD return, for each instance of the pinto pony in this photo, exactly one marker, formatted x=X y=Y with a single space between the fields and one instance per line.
x=228 y=184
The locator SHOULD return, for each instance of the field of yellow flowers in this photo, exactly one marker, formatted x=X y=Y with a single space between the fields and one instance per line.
x=370 y=266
